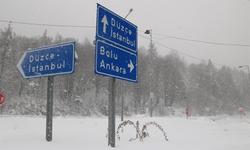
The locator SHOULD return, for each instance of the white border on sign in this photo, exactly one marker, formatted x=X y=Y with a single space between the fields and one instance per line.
x=110 y=75
x=19 y=67
x=97 y=21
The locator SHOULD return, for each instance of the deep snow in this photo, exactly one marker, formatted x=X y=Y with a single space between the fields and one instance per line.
x=195 y=133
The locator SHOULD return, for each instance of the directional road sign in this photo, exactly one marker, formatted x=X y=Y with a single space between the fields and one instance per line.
x=115 y=62
x=115 y=29
x=48 y=61
x=116 y=46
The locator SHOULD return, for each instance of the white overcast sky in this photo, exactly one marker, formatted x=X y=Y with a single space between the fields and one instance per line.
x=216 y=21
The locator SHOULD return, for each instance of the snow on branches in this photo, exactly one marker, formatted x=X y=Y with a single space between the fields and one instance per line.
x=139 y=134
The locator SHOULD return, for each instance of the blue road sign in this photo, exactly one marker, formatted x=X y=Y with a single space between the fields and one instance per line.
x=48 y=61
x=116 y=46
x=115 y=62
x=115 y=29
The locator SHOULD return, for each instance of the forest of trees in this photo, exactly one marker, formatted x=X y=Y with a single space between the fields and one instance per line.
x=206 y=89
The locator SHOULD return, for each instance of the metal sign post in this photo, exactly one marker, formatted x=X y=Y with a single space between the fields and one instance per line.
x=48 y=61
x=49 y=117
x=115 y=55
x=122 y=101
x=111 y=128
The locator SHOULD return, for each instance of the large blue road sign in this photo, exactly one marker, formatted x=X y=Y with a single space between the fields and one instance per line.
x=115 y=29
x=48 y=61
x=115 y=62
x=118 y=36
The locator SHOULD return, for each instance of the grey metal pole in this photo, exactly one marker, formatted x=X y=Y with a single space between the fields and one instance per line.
x=247 y=70
x=248 y=73
x=122 y=81
x=49 y=117
x=150 y=76
x=111 y=128
x=151 y=101
x=121 y=100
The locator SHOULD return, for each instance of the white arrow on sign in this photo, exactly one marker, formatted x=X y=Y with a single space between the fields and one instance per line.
x=19 y=67
x=131 y=66
x=105 y=22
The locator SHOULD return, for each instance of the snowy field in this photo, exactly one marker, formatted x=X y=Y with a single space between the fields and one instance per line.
x=78 y=133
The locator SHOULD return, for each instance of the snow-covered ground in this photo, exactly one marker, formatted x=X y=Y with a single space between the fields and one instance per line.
x=78 y=133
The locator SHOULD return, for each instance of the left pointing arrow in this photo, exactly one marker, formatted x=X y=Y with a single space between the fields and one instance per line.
x=19 y=67
x=47 y=61
x=105 y=22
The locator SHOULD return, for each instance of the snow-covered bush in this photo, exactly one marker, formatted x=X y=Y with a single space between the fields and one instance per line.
x=139 y=134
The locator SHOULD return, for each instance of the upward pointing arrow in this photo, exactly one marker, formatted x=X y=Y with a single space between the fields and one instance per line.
x=105 y=22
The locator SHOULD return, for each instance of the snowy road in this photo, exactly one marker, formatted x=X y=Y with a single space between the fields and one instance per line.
x=196 y=133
